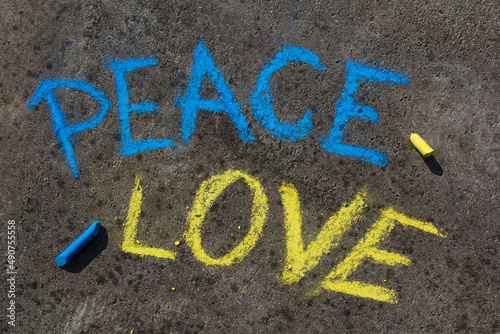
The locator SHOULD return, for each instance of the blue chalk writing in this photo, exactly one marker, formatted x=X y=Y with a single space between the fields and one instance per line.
x=191 y=101
x=261 y=96
x=62 y=130
x=130 y=146
x=260 y=99
x=346 y=109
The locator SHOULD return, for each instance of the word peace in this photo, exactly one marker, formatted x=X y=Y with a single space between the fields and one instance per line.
x=299 y=258
x=191 y=102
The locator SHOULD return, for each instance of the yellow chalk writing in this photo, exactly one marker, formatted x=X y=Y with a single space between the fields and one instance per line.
x=205 y=198
x=299 y=260
x=130 y=243
x=366 y=248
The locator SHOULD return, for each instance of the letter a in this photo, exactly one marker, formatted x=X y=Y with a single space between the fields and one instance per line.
x=191 y=102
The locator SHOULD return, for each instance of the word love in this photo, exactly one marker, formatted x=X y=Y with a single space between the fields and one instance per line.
x=299 y=258
x=191 y=102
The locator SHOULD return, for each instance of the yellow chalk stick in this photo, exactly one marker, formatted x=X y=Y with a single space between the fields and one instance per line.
x=421 y=145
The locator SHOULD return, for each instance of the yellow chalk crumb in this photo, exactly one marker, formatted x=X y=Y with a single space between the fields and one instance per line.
x=289 y=267
x=138 y=241
x=239 y=227
x=177 y=243
x=173 y=289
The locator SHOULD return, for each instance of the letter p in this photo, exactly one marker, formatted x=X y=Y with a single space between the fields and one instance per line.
x=62 y=129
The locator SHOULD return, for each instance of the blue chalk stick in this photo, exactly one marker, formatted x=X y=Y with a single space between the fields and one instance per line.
x=78 y=244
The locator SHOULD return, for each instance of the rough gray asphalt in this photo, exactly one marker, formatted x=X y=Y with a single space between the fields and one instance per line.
x=448 y=50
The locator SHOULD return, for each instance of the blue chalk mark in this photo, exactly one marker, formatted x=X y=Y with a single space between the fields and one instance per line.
x=261 y=96
x=346 y=109
x=130 y=146
x=78 y=244
x=191 y=101
x=62 y=130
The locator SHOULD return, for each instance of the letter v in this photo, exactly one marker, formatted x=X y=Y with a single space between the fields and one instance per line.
x=300 y=260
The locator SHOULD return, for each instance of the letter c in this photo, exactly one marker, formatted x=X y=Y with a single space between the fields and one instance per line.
x=261 y=96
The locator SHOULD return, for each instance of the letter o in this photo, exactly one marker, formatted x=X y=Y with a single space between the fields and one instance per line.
x=205 y=198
